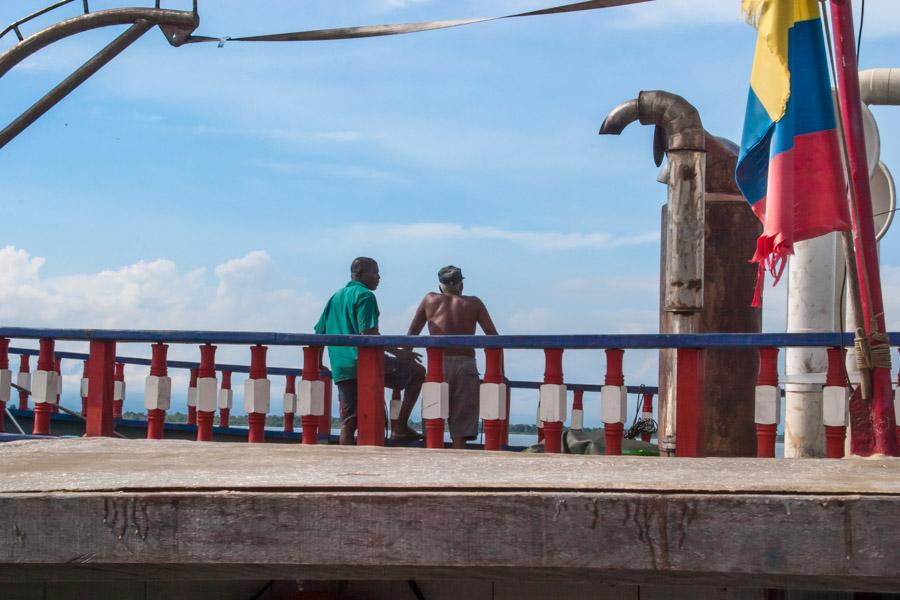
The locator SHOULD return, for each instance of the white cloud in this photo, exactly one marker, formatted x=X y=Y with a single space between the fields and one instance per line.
x=542 y=240
x=243 y=295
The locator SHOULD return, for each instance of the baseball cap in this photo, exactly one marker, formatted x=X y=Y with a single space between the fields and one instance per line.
x=450 y=274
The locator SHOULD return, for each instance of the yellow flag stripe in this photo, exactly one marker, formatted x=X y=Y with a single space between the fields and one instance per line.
x=770 y=78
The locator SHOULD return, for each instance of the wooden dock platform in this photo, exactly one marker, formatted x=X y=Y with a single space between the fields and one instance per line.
x=108 y=509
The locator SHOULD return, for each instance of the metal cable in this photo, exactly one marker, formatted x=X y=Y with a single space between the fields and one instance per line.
x=344 y=33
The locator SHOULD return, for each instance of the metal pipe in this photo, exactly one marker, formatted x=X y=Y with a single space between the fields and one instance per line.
x=97 y=62
x=880 y=86
x=82 y=23
x=34 y=15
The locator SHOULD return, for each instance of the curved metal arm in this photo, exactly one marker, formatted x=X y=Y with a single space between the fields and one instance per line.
x=173 y=23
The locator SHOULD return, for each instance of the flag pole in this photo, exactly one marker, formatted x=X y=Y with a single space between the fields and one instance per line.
x=872 y=350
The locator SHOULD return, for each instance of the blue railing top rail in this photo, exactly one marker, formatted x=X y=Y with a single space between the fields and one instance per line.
x=510 y=342
x=186 y=364
x=172 y=364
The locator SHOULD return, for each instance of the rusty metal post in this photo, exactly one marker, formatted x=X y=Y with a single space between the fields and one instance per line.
x=680 y=135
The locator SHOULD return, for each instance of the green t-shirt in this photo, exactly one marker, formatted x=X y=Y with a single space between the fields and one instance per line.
x=352 y=310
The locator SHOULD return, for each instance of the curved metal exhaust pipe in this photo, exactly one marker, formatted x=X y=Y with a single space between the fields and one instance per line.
x=678 y=125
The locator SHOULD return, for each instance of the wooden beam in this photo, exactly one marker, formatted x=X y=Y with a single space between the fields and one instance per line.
x=825 y=542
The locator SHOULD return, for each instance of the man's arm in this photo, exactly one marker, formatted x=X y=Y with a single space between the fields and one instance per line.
x=419 y=320
x=484 y=319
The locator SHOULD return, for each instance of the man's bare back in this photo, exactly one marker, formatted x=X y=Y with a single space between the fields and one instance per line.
x=452 y=314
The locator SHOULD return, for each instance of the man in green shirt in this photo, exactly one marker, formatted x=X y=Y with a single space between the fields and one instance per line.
x=354 y=310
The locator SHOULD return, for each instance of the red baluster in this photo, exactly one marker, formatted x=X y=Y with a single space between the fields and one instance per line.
x=84 y=388
x=5 y=380
x=44 y=388
x=394 y=409
x=57 y=368
x=207 y=393
x=157 y=392
x=257 y=392
x=192 y=399
x=119 y=390
x=435 y=399
x=576 y=421
x=504 y=434
x=552 y=406
x=492 y=398
x=23 y=380
x=768 y=403
x=226 y=398
x=835 y=403
x=312 y=394
x=897 y=404
x=325 y=419
x=647 y=413
x=613 y=401
x=290 y=402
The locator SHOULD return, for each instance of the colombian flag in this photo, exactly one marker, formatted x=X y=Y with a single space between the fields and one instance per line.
x=789 y=168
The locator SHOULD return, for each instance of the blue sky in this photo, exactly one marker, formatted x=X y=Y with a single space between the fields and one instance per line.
x=229 y=188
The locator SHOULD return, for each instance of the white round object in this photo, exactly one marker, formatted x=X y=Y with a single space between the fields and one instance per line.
x=870 y=129
x=884 y=199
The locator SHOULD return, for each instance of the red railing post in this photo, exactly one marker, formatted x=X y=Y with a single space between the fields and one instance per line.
x=157 y=391
x=435 y=399
x=370 y=397
x=312 y=395
x=768 y=403
x=576 y=421
x=257 y=393
x=613 y=401
x=5 y=380
x=207 y=393
x=290 y=402
x=118 y=390
x=84 y=388
x=492 y=398
x=192 y=398
x=835 y=405
x=646 y=414
x=552 y=406
x=23 y=380
x=44 y=388
x=689 y=402
x=226 y=398
x=101 y=370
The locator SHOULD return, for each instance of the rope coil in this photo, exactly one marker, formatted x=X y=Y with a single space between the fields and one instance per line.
x=872 y=351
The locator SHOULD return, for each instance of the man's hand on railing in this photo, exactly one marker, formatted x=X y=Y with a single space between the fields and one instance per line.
x=405 y=353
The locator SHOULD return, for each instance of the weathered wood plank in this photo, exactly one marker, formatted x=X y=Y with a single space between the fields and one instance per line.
x=809 y=541
x=109 y=464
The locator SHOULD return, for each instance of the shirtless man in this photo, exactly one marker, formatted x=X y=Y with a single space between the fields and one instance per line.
x=451 y=313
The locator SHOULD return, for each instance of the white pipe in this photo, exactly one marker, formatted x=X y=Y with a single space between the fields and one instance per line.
x=810 y=309
x=880 y=86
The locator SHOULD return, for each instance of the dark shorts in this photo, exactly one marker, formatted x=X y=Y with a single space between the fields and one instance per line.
x=398 y=374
